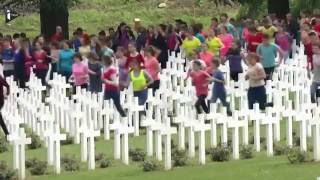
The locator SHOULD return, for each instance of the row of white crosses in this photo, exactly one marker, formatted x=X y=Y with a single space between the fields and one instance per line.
x=85 y=114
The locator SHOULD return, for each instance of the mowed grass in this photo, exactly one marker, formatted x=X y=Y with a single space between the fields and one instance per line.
x=96 y=15
x=260 y=167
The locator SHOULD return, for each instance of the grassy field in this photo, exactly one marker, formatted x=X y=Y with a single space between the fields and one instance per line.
x=96 y=15
x=260 y=167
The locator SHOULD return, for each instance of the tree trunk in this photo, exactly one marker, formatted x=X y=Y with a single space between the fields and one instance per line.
x=54 y=13
x=279 y=7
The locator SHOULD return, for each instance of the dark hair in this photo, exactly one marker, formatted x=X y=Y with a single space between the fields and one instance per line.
x=235 y=51
x=252 y=28
x=150 y=49
x=78 y=55
x=16 y=36
x=111 y=29
x=23 y=35
x=197 y=28
x=102 y=33
x=216 y=62
x=224 y=15
x=214 y=19
x=106 y=60
x=67 y=42
x=312 y=33
x=197 y=62
x=163 y=27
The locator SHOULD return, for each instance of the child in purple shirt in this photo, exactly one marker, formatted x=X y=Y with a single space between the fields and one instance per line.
x=235 y=60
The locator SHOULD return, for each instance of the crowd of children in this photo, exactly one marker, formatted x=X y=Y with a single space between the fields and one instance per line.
x=112 y=59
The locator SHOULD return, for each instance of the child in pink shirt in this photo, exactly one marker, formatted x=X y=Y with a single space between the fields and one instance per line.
x=284 y=41
x=79 y=72
x=200 y=79
x=207 y=57
x=226 y=39
x=152 y=67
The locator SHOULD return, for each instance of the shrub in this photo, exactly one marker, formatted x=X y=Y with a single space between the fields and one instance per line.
x=5 y=172
x=150 y=165
x=38 y=168
x=35 y=142
x=179 y=157
x=3 y=144
x=31 y=162
x=104 y=163
x=280 y=149
x=220 y=154
x=69 y=163
x=137 y=154
x=246 y=152
x=295 y=155
x=100 y=156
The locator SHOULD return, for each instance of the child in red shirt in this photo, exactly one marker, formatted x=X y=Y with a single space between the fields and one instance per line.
x=41 y=63
x=110 y=78
x=254 y=39
x=200 y=79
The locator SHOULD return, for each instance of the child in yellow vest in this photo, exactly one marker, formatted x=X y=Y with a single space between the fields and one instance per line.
x=140 y=81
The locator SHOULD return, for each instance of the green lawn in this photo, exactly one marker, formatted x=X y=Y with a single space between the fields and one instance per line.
x=96 y=15
x=260 y=167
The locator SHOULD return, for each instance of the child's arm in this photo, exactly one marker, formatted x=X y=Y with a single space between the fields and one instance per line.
x=53 y=58
x=281 y=55
x=212 y=79
x=149 y=79
x=92 y=72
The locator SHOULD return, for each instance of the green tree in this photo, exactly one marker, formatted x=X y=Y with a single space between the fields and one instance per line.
x=52 y=12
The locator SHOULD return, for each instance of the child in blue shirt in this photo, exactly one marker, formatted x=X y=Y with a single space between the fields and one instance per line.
x=7 y=55
x=219 y=90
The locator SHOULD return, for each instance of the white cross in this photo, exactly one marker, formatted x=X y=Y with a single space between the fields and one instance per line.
x=19 y=141
x=269 y=120
x=315 y=124
x=180 y=120
x=167 y=131
x=122 y=130
x=213 y=116
x=235 y=124
x=201 y=128
x=54 y=139
x=289 y=113
x=256 y=116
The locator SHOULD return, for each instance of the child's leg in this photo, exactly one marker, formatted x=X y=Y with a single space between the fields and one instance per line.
x=116 y=100
x=3 y=125
x=203 y=104
x=214 y=98
x=251 y=99
x=313 y=92
x=261 y=97
x=223 y=99
x=197 y=105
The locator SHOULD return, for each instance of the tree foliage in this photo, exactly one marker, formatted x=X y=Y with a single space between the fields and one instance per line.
x=31 y=6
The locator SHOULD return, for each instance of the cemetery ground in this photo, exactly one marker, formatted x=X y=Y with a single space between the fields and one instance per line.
x=260 y=167
x=96 y=15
